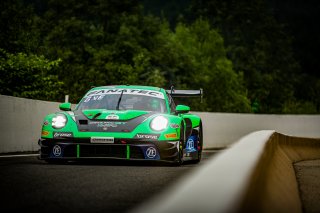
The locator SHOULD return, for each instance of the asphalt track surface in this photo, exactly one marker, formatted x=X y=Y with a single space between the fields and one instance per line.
x=31 y=185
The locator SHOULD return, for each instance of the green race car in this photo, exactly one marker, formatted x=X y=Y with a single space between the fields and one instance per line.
x=124 y=122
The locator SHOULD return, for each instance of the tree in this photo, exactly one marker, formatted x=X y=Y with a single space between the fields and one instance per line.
x=197 y=57
x=258 y=47
x=29 y=76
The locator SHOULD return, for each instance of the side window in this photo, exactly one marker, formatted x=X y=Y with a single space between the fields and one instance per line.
x=171 y=104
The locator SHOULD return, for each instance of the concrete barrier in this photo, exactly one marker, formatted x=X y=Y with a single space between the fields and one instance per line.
x=22 y=118
x=255 y=174
x=223 y=129
x=21 y=121
x=273 y=185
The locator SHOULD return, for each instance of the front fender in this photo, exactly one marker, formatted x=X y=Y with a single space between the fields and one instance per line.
x=48 y=130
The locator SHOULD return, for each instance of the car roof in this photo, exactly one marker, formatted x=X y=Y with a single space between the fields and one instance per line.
x=129 y=87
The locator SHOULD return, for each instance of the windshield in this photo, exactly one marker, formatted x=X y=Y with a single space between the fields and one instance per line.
x=124 y=100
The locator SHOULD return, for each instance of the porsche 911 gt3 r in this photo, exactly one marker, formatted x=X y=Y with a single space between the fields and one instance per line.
x=124 y=122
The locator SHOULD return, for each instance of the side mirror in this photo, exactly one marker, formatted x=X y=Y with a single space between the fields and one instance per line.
x=182 y=109
x=65 y=106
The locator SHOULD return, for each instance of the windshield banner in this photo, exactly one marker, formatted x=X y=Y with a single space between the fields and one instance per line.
x=150 y=93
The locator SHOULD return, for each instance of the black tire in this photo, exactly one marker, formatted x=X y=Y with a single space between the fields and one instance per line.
x=179 y=160
x=201 y=142
x=200 y=136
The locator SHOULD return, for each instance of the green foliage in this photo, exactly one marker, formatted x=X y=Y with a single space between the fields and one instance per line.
x=258 y=47
x=202 y=63
x=299 y=107
x=235 y=50
x=29 y=76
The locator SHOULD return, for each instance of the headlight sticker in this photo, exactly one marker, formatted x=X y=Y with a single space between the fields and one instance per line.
x=59 y=121
x=159 y=123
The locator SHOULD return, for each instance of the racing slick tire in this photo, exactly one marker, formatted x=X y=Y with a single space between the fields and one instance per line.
x=200 y=143
x=179 y=160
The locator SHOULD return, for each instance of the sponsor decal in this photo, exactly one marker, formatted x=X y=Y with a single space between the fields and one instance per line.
x=147 y=136
x=45 y=123
x=105 y=124
x=171 y=135
x=62 y=134
x=190 y=144
x=99 y=94
x=151 y=152
x=174 y=126
x=45 y=133
x=94 y=98
x=112 y=117
x=102 y=139
x=56 y=150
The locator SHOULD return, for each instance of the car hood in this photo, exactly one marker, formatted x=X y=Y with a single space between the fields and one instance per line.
x=100 y=120
x=102 y=114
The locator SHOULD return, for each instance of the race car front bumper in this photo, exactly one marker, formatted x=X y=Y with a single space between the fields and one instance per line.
x=72 y=149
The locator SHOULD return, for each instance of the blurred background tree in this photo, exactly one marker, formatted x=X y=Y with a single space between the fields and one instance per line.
x=248 y=56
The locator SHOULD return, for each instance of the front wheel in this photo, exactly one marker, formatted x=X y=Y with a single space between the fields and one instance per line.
x=180 y=146
x=200 y=144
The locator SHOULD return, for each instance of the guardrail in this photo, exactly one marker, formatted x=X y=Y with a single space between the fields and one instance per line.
x=255 y=174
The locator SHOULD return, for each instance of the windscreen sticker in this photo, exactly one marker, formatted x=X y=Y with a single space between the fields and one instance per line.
x=94 y=98
x=99 y=94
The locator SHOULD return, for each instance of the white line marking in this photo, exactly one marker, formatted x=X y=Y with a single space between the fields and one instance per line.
x=12 y=156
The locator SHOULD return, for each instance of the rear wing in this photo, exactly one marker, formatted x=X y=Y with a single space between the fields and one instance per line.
x=185 y=93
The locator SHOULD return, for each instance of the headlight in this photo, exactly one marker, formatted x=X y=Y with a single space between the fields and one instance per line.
x=59 y=121
x=159 y=123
